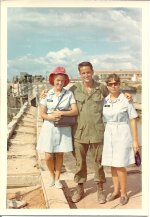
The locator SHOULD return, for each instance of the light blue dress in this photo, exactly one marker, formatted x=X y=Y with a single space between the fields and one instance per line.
x=118 y=149
x=55 y=139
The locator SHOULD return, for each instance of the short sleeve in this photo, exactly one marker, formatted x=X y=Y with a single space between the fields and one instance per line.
x=43 y=102
x=72 y=99
x=131 y=111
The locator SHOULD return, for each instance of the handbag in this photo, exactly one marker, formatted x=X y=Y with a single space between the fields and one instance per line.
x=65 y=121
x=137 y=159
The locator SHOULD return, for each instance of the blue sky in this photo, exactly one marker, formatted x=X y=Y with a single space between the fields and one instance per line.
x=39 y=39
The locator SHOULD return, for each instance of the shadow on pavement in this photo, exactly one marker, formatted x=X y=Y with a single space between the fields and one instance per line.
x=133 y=188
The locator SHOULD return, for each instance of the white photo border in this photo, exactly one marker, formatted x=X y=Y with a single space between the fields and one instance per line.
x=3 y=103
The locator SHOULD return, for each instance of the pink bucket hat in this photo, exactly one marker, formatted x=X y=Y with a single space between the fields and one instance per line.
x=59 y=71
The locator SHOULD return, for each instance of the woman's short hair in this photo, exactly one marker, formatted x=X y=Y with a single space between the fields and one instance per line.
x=112 y=77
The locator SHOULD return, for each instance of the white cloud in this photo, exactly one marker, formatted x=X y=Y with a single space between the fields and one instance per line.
x=114 y=62
x=118 y=27
x=70 y=59
x=63 y=55
x=35 y=65
x=118 y=24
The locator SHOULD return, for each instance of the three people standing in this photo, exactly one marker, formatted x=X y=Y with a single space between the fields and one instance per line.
x=92 y=98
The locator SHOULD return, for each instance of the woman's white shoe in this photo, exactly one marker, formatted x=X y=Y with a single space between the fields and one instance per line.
x=58 y=184
x=52 y=181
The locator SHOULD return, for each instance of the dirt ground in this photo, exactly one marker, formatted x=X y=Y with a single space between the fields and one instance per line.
x=35 y=198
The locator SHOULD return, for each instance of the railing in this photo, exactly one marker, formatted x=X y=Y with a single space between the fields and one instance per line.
x=28 y=92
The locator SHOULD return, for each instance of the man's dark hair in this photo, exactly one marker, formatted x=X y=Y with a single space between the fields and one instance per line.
x=85 y=64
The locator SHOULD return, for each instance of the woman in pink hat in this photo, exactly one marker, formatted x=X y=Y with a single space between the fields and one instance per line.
x=56 y=139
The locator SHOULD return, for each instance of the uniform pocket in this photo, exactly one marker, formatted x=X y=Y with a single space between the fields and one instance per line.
x=100 y=127
x=80 y=100
x=77 y=131
x=97 y=104
x=98 y=131
x=97 y=97
x=78 y=134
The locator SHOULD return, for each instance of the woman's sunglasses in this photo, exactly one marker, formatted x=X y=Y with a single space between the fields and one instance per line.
x=111 y=84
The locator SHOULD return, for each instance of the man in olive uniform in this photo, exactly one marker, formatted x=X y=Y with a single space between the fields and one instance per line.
x=89 y=131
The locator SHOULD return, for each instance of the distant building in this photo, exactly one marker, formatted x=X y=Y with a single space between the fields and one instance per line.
x=134 y=78
x=134 y=75
x=123 y=74
x=74 y=80
x=38 y=78
x=25 y=77
x=15 y=88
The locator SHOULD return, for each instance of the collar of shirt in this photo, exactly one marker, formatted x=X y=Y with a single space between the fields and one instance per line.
x=52 y=92
x=120 y=98
x=95 y=86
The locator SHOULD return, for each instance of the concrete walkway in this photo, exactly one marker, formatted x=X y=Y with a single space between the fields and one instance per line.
x=22 y=168
x=89 y=201
x=57 y=198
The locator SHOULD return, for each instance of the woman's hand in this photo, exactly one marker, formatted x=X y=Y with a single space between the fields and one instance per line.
x=54 y=117
x=128 y=96
x=43 y=94
x=136 y=146
x=57 y=114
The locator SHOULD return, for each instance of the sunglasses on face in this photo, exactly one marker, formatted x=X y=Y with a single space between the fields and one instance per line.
x=111 y=84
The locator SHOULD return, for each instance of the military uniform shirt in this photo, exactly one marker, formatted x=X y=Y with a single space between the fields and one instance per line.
x=90 y=127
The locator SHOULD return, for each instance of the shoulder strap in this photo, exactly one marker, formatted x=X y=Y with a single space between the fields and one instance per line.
x=60 y=99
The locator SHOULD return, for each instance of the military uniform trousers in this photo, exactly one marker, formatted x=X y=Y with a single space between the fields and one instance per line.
x=81 y=150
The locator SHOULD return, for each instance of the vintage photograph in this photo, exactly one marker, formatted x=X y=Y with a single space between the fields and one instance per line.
x=74 y=107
